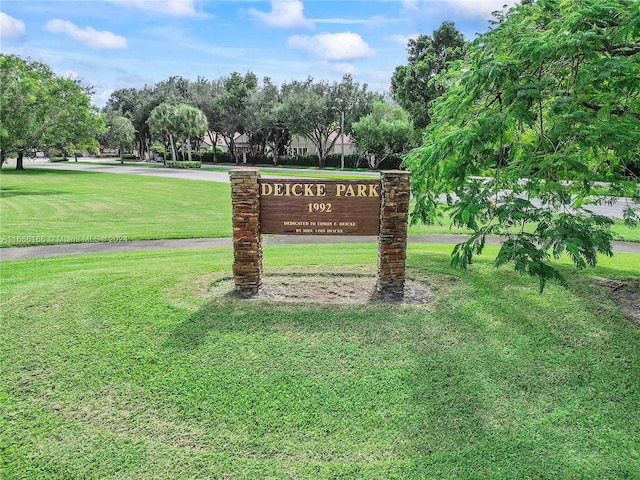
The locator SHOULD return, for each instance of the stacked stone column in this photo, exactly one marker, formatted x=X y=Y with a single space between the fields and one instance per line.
x=247 y=240
x=392 y=240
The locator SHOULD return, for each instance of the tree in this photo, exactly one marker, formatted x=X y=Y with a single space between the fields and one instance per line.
x=204 y=95
x=162 y=123
x=41 y=110
x=315 y=110
x=78 y=124
x=190 y=123
x=136 y=105
x=266 y=126
x=384 y=132
x=413 y=85
x=232 y=105
x=547 y=105
x=120 y=134
x=177 y=123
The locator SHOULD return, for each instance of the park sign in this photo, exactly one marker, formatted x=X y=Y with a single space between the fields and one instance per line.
x=319 y=207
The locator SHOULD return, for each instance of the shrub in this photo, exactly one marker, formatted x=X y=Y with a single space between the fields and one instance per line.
x=308 y=160
x=157 y=148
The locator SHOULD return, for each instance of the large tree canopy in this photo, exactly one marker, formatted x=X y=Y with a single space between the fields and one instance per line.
x=41 y=110
x=413 y=85
x=232 y=107
x=547 y=104
x=315 y=110
x=385 y=132
x=267 y=114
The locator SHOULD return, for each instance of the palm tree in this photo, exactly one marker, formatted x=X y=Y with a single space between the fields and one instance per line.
x=163 y=121
x=191 y=122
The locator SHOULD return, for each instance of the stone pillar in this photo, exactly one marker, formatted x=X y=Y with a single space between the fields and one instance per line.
x=247 y=241
x=392 y=240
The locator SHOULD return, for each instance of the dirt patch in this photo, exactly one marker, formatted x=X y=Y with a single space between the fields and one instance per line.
x=332 y=289
x=627 y=295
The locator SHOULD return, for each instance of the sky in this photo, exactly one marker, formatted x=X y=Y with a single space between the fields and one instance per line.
x=114 y=44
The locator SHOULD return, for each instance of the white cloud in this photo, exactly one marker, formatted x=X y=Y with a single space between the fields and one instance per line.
x=11 y=27
x=332 y=46
x=173 y=8
x=468 y=8
x=375 y=21
x=479 y=8
x=403 y=39
x=284 y=13
x=101 y=97
x=340 y=21
x=70 y=75
x=103 y=40
x=340 y=68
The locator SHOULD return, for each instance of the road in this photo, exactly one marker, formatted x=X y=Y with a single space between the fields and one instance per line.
x=220 y=174
x=217 y=174
x=208 y=173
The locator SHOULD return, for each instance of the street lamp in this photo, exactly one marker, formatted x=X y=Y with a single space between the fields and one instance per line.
x=342 y=146
x=335 y=108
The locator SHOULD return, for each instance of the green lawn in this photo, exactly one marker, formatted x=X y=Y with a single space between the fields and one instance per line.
x=137 y=366
x=49 y=207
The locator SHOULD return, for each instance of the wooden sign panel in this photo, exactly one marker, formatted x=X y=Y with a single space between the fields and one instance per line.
x=319 y=207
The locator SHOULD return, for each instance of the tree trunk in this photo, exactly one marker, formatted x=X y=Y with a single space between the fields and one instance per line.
x=214 y=146
x=189 y=148
x=174 y=157
x=232 y=149
x=19 y=165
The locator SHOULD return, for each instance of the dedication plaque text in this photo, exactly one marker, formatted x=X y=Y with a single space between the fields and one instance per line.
x=319 y=207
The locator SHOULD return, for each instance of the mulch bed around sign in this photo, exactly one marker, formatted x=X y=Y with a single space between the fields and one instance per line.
x=330 y=288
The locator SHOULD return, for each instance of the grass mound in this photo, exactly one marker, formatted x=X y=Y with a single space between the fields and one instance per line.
x=131 y=366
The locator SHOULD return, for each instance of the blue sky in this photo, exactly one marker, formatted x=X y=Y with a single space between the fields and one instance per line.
x=113 y=44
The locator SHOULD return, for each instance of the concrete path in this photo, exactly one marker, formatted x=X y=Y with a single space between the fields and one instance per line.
x=210 y=173
x=21 y=253
x=213 y=174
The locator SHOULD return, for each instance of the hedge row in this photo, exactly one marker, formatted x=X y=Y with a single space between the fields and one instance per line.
x=332 y=161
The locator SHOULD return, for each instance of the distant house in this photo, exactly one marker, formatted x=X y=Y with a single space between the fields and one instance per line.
x=206 y=143
x=302 y=145
x=299 y=145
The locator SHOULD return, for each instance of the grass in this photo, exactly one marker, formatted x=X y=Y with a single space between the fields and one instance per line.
x=50 y=207
x=134 y=365
x=619 y=229
x=45 y=207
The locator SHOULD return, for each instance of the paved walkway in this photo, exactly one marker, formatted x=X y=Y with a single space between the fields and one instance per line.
x=20 y=253
x=214 y=174
x=210 y=173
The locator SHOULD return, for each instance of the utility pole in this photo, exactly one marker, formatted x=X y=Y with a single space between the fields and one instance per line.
x=342 y=147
